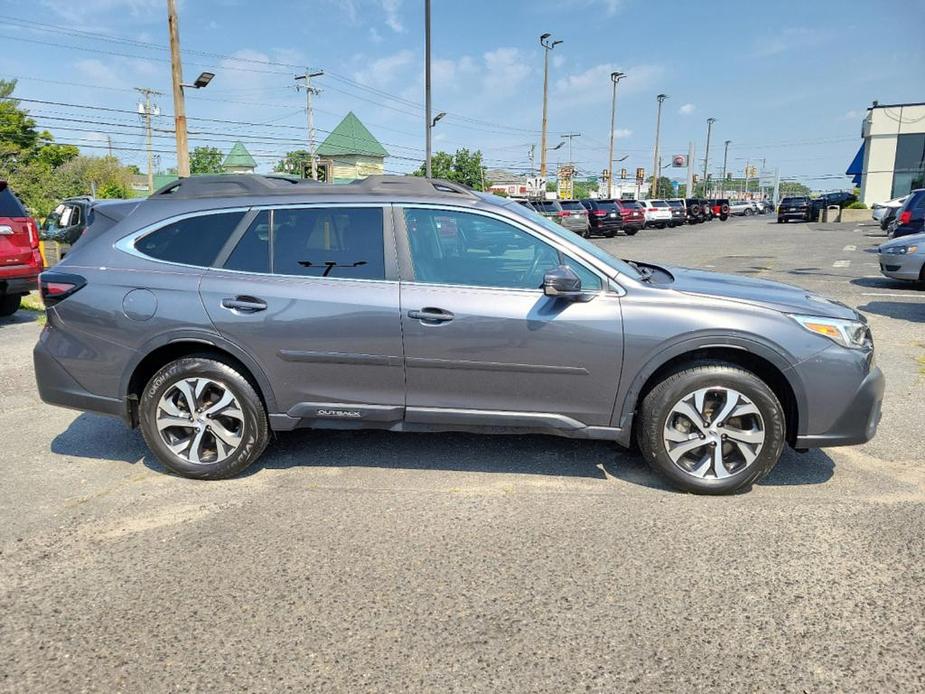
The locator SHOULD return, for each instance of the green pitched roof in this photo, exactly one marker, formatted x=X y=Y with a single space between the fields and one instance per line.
x=239 y=156
x=351 y=137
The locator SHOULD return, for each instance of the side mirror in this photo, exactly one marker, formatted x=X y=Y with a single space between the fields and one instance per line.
x=562 y=283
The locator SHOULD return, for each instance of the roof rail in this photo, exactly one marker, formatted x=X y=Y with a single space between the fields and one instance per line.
x=233 y=185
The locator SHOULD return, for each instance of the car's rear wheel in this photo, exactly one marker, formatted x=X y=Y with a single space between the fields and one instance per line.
x=711 y=428
x=609 y=234
x=203 y=419
x=9 y=304
x=586 y=233
x=631 y=232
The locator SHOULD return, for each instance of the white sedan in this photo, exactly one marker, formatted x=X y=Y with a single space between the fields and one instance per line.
x=878 y=209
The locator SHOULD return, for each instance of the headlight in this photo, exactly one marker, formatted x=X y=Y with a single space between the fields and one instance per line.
x=900 y=250
x=848 y=333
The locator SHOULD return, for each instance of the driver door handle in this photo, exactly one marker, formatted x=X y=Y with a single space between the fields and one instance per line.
x=431 y=315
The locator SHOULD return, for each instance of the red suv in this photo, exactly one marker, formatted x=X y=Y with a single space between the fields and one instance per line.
x=634 y=216
x=20 y=259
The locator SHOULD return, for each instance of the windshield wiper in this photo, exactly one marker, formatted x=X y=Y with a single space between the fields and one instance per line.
x=645 y=274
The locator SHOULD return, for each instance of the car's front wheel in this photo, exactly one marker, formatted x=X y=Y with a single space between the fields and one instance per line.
x=202 y=418
x=711 y=428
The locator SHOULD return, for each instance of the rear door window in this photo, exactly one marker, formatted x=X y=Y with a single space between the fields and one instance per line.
x=190 y=241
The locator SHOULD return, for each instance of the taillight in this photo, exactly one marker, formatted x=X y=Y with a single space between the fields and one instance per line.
x=33 y=233
x=57 y=286
x=562 y=213
x=905 y=217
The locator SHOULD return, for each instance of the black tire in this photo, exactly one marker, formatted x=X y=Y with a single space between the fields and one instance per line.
x=660 y=226
x=631 y=232
x=254 y=428
x=586 y=233
x=9 y=304
x=781 y=221
x=657 y=406
x=609 y=234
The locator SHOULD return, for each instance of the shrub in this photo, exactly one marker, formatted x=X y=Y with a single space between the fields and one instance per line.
x=857 y=205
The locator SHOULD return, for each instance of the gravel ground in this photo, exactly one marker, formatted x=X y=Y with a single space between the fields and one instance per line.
x=386 y=562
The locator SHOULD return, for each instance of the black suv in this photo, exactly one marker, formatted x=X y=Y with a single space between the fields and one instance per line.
x=697 y=210
x=604 y=217
x=797 y=208
x=910 y=218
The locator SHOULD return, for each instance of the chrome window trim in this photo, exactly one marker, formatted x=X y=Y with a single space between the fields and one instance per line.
x=127 y=243
x=607 y=282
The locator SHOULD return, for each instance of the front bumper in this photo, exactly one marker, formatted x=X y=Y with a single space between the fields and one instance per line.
x=901 y=267
x=857 y=422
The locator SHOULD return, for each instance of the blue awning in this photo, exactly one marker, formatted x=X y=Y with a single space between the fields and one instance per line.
x=856 y=167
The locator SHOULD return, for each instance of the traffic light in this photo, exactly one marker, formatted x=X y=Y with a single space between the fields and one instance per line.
x=640 y=174
x=695 y=179
x=623 y=173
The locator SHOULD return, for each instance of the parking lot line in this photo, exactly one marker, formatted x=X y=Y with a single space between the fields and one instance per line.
x=906 y=296
x=850 y=248
x=841 y=263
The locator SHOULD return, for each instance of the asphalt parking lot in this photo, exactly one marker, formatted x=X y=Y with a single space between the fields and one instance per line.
x=386 y=562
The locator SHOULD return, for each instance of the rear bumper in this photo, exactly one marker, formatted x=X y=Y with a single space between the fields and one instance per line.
x=18 y=285
x=57 y=387
x=858 y=420
x=793 y=215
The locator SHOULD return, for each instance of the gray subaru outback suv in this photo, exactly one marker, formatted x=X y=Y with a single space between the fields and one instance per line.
x=223 y=308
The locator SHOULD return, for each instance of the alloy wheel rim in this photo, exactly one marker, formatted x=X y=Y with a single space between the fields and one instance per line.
x=713 y=433
x=200 y=420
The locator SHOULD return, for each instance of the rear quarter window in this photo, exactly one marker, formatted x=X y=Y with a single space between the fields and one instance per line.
x=190 y=241
x=10 y=205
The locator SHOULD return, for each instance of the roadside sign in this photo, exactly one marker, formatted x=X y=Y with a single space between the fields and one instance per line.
x=679 y=161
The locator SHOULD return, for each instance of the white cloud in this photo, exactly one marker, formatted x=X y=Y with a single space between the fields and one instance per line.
x=851 y=115
x=593 y=84
x=505 y=68
x=386 y=69
x=622 y=133
x=391 y=9
x=787 y=40
x=687 y=109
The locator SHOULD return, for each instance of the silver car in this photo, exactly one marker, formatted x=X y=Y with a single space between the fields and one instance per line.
x=903 y=258
x=223 y=308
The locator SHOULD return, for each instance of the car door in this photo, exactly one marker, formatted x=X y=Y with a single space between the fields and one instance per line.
x=483 y=344
x=311 y=293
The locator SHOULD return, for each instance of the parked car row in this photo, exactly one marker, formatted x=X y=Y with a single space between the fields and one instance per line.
x=903 y=257
x=590 y=217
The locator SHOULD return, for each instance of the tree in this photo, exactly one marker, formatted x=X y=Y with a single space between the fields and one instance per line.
x=663 y=188
x=293 y=161
x=205 y=160
x=81 y=175
x=18 y=136
x=462 y=167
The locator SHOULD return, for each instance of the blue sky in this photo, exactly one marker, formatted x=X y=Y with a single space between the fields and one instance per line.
x=788 y=82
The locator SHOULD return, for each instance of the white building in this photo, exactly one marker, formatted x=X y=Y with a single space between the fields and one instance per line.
x=891 y=162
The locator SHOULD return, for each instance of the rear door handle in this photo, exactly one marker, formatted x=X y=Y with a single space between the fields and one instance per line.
x=431 y=315
x=244 y=304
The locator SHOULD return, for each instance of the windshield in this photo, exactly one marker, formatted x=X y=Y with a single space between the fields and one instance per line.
x=576 y=240
x=794 y=201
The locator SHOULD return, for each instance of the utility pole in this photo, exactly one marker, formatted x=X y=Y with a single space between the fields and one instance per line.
x=747 y=163
x=428 y=123
x=547 y=47
x=570 y=137
x=310 y=91
x=689 y=189
x=615 y=77
x=706 y=156
x=531 y=155
x=725 y=159
x=179 y=105
x=147 y=110
x=658 y=126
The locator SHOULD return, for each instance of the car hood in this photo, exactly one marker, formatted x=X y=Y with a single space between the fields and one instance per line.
x=763 y=293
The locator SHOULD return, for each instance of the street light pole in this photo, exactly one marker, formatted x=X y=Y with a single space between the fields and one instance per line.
x=615 y=77
x=428 y=124
x=547 y=47
x=706 y=155
x=658 y=126
x=725 y=158
x=179 y=103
